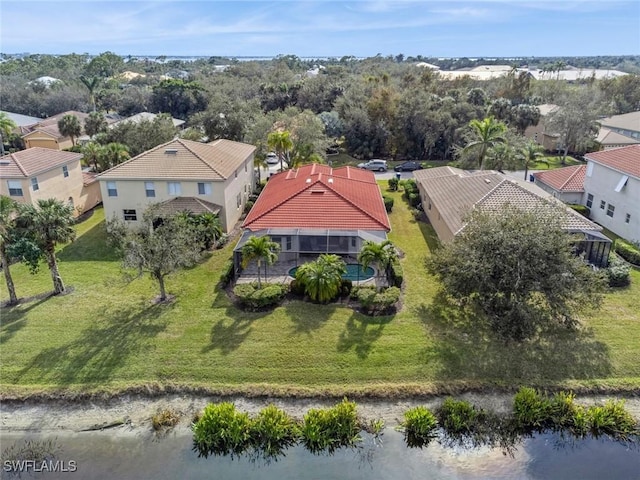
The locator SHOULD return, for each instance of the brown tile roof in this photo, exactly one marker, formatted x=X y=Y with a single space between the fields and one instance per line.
x=318 y=196
x=32 y=161
x=88 y=178
x=455 y=195
x=184 y=160
x=567 y=179
x=188 y=204
x=50 y=124
x=609 y=137
x=624 y=159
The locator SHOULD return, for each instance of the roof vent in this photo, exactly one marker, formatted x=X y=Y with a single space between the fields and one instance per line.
x=171 y=151
x=308 y=180
x=317 y=191
x=331 y=180
x=487 y=180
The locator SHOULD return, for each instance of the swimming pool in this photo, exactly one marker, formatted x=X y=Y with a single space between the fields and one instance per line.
x=354 y=273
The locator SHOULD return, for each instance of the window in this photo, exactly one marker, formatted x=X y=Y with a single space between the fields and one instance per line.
x=204 y=188
x=610 y=210
x=150 y=189
x=130 y=215
x=111 y=189
x=289 y=240
x=65 y=171
x=34 y=184
x=239 y=200
x=174 y=188
x=15 y=188
x=353 y=242
x=245 y=168
x=622 y=183
x=627 y=218
x=589 y=200
x=236 y=174
x=602 y=204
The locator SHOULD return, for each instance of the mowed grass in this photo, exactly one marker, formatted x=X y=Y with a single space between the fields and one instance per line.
x=108 y=336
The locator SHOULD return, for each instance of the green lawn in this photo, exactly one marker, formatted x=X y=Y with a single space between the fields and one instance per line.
x=107 y=336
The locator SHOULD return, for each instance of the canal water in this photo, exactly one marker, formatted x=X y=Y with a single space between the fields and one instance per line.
x=112 y=455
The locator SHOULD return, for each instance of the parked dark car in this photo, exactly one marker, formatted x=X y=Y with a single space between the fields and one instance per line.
x=407 y=167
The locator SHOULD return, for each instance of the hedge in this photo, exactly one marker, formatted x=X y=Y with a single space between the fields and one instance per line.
x=377 y=302
x=253 y=298
x=388 y=203
x=581 y=209
x=629 y=252
x=395 y=274
x=227 y=273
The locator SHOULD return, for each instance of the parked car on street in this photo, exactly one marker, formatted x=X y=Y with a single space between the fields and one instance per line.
x=272 y=158
x=374 y=165
x=408 y=167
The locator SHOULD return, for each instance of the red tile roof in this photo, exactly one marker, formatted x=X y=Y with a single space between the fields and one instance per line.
x=318 y=196
x=567 y=179
x=623 y=159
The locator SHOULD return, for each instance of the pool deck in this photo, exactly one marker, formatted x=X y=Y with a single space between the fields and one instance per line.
x=279 y=273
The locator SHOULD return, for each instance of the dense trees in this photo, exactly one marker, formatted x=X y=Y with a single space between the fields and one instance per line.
x=485 y=134
x=8 y=210
x=519 y=270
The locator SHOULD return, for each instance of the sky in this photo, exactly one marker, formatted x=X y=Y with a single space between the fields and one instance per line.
x=322 y=28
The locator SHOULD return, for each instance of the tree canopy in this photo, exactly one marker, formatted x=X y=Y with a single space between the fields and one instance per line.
x=518 y=269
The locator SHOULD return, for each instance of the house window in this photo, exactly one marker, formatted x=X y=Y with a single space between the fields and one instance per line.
x=353 y=242
x=602 y=204
x=15 y=188
x=239 y=200
x=174 y=188
x=627 y=218
x=589 y=200
x=150 y=189
x=235 y=174
x=245 y=168
x=34 y=184
x=111 y=189
x=610 y=210
x=289 y=240
x=65 y=171
x=130 y=215
x=204 y=188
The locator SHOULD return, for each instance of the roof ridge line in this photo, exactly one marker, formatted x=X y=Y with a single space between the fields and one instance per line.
x=139 y=155
x=181 y=142
x=356 y=206
x=575 y=172
x=484 y=197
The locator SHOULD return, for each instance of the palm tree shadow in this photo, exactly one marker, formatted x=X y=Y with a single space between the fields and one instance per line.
x=102 y=349
x=91 y=246
x=303 y=320
x=13 y=318
x=464 y=347
x=361 y=332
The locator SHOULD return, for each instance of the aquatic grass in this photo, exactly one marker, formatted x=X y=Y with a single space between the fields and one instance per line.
x=325 y=430
x=419 y=426
x=222 y=430
x=272 y=431
x=531 y=410
x=611 y=419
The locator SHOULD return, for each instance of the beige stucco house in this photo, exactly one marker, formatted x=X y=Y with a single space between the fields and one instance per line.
x=182 y=175
x=539 y=133
x=41 y=173
x=46 y=134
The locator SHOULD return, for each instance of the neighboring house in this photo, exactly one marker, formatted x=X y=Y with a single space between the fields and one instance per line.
x=182 y=175
x=21 y=121
x=611 y=139
x=627 y=124
x=566 y=184
x=539 y=133
x=40 y=173
x=317 y=209
x=46 y=134
x=449 y=194
x=612 y=190
x=139 y=117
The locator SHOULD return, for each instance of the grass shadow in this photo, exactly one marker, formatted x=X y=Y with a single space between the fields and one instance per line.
x=100 y=350
x=307 y=317
x=361 y=332
x=465 y=348
x=12 y=317
x=430 y=236
x=91 y=246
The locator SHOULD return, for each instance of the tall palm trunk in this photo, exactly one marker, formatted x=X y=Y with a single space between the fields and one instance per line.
x=13 y=299
x=58 y=284
x=259 y=265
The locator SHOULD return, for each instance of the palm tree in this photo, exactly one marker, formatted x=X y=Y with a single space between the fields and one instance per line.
x=113 y=154
x=501 y=157
x=382 y=254
x=322 y=278
x=6 y=129
x=91 y=83
x=259 y=249
x=485 y=134
x=304 y=154
x=48 y=223
x=69 y=126
x=8 y=209
x=260 y=162
x=95 y=124
x=531 y=154
x=281 y=143
x=92 y=154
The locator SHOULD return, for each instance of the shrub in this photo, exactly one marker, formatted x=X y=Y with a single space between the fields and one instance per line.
x=393 y=184
x=331 y=428
x=296 y=288
x=221 y=430
x=457 y=416
x=618 y=273
x=388 y=203
x=611 y=419
x=346 y=286
x=248 y=206
x=581 y=209
x=395 y=273
x=222 y=241
x=627 y=251
x=531 y=410
x=253 y=298
x=419 y=426
x=227 y=274
x=273 y=431
x=164 y=419
x=377 y=302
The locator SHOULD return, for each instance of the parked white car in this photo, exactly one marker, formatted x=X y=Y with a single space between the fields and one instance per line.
x=374 y=165
x=272 y=158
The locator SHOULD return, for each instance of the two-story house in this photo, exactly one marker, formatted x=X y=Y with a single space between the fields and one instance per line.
x=46 y=133
x=42 y=173
x=182 y=175
x=612 y=190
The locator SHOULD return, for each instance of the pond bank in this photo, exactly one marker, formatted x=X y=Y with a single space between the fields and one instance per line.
x=131 y=414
